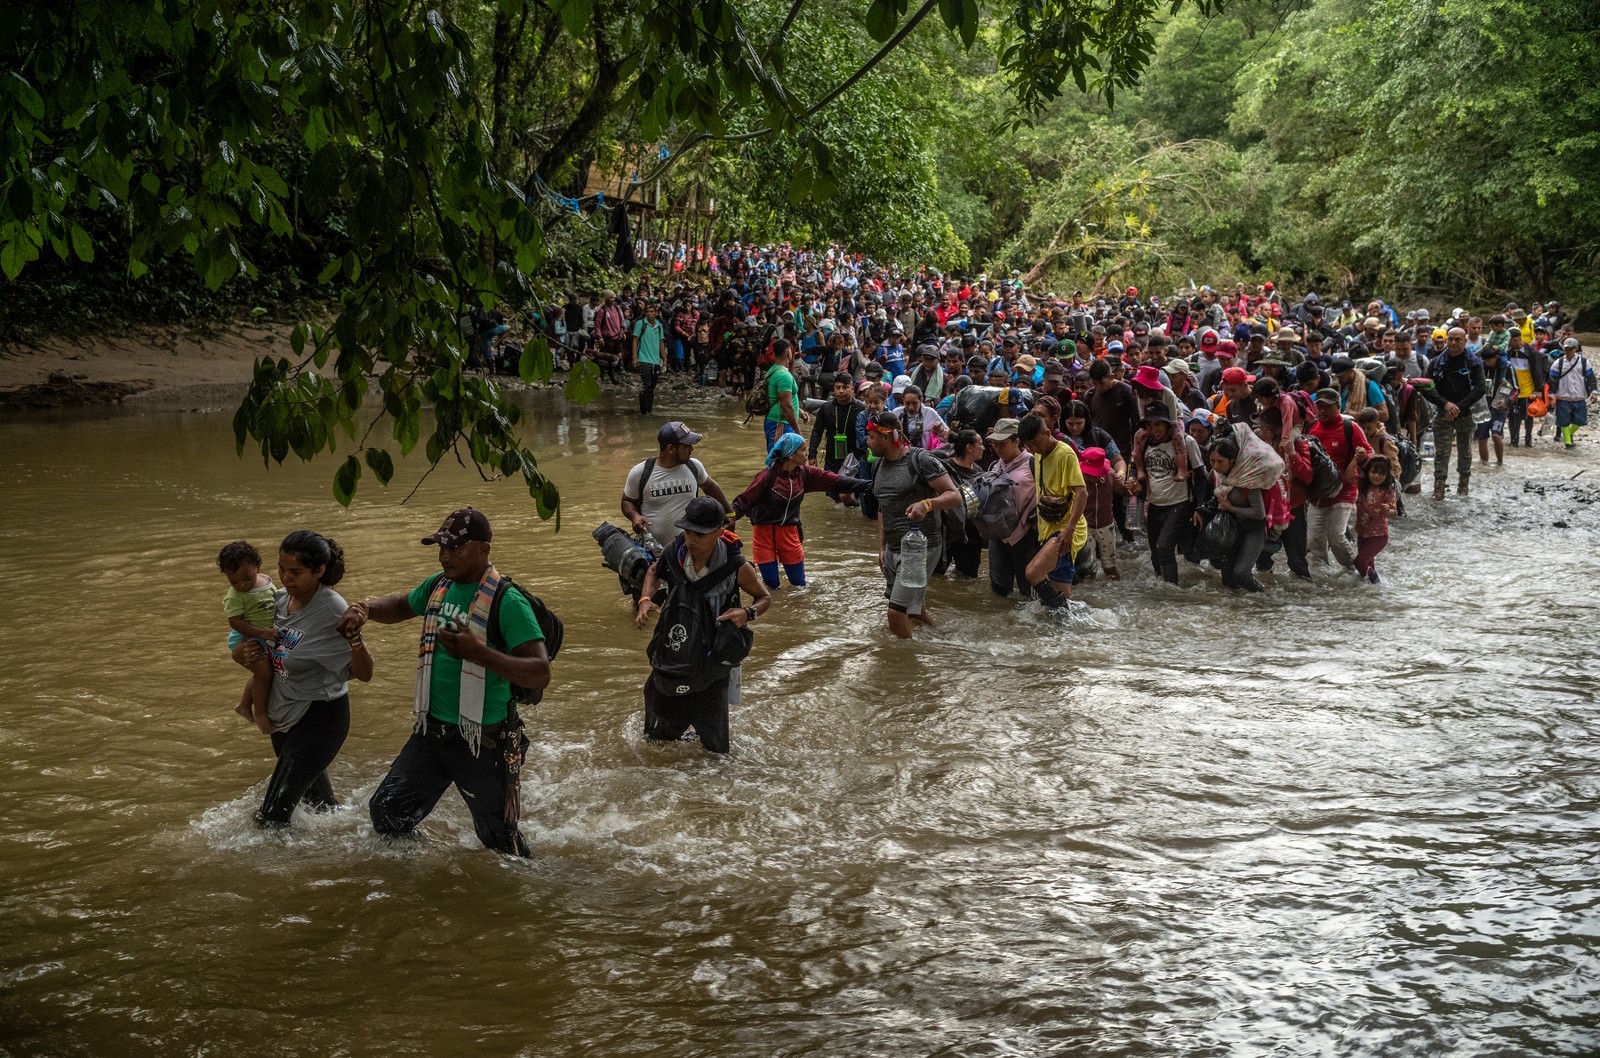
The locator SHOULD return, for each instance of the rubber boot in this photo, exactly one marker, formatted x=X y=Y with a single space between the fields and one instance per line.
x=769 y=574
x=796 y=574
x=1049 y=595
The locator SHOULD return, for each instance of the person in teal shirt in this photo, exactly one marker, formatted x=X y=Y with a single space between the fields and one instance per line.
x=464 y=730
x=648 y=334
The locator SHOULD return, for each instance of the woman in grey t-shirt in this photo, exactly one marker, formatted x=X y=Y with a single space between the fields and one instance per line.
x=311 y=668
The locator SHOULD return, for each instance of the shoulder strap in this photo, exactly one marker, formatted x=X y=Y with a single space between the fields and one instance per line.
x=496 y=640
x=644 y=480
x=711 y=579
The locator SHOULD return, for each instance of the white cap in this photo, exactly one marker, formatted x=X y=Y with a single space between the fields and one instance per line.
x=900 y=383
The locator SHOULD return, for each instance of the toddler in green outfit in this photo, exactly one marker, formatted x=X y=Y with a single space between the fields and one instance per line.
x=250 y=607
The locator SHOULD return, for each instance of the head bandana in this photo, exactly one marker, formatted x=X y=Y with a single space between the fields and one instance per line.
x=784 y=447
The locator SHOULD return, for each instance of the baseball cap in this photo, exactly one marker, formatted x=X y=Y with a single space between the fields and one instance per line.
x=1341 y=364
x=1209 y=337
x=899 y=384
x=1237 y=376
x=1570 y=343
x=1328 y=395
x=928 y=350
x=1093 y=462
x=676 y=433
x=463 y=524
x=1004 y=430
x=703 y=515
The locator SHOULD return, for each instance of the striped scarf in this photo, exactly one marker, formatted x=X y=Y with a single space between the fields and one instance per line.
x=472 y=674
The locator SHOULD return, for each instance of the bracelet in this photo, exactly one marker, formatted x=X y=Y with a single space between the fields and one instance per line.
x=750 y=614
x=358 y=643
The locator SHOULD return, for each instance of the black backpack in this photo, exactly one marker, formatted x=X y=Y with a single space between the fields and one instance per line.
x=549 y=624
x=690 y=649
x=1327 y=480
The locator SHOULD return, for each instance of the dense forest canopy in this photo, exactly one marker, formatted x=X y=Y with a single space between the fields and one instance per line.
x=405 y=162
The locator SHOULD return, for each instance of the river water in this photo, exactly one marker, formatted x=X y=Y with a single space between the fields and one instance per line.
x=1327 y=820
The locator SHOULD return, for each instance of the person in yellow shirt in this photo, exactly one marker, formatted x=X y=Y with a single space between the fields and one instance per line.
x=1062 y=495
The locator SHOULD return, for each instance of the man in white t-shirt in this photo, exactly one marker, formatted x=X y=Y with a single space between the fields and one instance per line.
x=658 y=490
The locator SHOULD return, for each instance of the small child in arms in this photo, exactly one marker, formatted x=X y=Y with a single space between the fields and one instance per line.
x=250 y=608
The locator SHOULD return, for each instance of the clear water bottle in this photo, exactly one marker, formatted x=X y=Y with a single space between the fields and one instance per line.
x=1480 y=412
x=914 y=559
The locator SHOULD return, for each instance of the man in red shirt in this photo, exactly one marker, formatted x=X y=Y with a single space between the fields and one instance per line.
x=1327 y=521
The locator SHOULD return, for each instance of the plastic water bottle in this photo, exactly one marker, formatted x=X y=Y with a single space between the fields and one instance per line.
x=914 y=559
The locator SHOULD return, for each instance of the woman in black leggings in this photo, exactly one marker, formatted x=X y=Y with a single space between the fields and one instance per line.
x=311 y=668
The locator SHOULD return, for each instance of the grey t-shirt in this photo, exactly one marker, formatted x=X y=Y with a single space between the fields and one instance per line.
x=666 y=496
x=1161 y=465
x=310 y=661
x=898 y=484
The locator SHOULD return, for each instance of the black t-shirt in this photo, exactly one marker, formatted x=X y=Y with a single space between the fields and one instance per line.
x=1115 y=411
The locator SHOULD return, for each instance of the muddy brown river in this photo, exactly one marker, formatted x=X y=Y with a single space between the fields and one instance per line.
x=1332 y=819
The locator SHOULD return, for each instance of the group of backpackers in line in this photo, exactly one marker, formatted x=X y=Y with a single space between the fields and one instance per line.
x=1041 y=433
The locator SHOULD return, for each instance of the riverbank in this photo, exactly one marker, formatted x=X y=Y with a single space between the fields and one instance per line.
x=158 y=366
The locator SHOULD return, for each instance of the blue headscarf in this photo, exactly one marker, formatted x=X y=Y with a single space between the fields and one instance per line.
x=784 y=447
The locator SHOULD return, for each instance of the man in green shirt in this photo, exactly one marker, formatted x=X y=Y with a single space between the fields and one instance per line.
x=648 y=332
x=784 y=414
x=464 y=730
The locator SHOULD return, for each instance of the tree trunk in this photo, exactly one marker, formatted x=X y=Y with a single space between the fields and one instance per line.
x=1105 y=277
x=598 y=103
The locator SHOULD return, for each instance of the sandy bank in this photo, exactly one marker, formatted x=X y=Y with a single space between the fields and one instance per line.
x=156 y=365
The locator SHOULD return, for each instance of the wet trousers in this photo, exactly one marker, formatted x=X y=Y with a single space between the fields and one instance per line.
x=1326 y=529
x=1008 y=564
x=1520 y=422
x=649 y=375
x=1445 y=432
x=304 y=753
x=1367 y=553
x=428 y=763
x=1238 y=566
x=668 y=716
x=1294 y=546
x=965 y=552
x=1167 y=525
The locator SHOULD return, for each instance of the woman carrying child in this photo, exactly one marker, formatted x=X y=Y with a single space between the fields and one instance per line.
x=1244 y=467
x=309 y=708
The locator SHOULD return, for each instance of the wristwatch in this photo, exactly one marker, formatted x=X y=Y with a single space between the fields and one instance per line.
x=749 y=614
